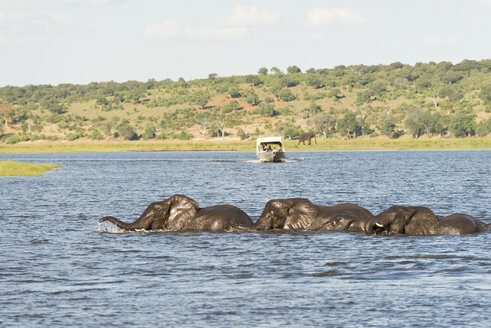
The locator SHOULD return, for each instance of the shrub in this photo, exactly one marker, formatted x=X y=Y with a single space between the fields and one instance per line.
x=252 y=98
x=149 y=133
x=126 y=131
x=161 y=135
x=182 y=136
x=73 y=136
x=286 y=95
x=268 y=110
x=483 y=128
x=290 y=131
x=293 y=69
x=230 y=107
x=242 y=134
x=462 y=125
x=235 y=93
x=13 y=140
x=95 y=135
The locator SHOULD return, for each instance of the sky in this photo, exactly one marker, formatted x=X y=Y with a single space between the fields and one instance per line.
x=81 y=41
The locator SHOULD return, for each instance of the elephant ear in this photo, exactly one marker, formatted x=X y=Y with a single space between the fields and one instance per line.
x=182 y=209
x=422 y=222
x=301 y=214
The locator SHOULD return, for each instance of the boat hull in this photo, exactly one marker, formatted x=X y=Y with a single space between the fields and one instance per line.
x=271 y=156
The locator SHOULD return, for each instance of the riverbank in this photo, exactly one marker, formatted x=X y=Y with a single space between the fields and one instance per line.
x=11 y=168
x=245 y=145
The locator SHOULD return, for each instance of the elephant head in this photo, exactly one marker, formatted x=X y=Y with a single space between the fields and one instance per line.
x=172 y=213
x=399 y=220
x=292 y=213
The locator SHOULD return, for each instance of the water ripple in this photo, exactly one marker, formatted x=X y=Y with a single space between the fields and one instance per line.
x=57 y=270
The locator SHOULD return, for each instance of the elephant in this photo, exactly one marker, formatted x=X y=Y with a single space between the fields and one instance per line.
x=181 y=213
x=417 y=220
x=301 y=214
x=306 y=136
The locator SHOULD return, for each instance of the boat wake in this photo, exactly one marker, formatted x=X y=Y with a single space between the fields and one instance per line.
x=255 y=161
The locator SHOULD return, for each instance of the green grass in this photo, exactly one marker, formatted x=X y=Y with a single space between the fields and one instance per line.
x=11 y=168
x=248 y=145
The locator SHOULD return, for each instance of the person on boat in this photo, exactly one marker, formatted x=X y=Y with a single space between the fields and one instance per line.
x=269 y=148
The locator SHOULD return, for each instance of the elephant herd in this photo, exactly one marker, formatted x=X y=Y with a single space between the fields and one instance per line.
x=181 y=213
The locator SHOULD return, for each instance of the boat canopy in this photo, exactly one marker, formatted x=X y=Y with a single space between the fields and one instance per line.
x=269 y=141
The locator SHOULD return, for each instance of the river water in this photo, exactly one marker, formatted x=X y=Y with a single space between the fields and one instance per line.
x=57 y=269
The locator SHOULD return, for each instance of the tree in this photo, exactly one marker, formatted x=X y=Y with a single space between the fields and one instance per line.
x=150 y=132
x=235 y=93
x=107 y=128
x=263 y=71
x=485 y=93
x=268 y=110
x=95 y=134
x=311 y=110
x=325 y=124
x=289 y=131
x=482 y=128
x=242 y=134
x=212 y=76
x=7 y=113
x=201 y=98
x=102 y=101
x=252 y=98
x=462 y=125
x=220 y=124
x=254 y=80
x=275 y=70
x=378 y=87
x=230 y=107
x=293 y=69
x=388 y=127
x=452 y=77
x=336 y=94
x=203 y=126
x=315 y=81
x=414 y=124
x=126 y=131
x=349 y=126
x=286 y=95
x=289 y=81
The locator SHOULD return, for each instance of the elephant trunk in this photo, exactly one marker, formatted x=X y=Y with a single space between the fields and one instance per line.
x=376 y=227
x=120 y=224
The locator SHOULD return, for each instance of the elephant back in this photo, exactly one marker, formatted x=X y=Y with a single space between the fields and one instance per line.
x=340 y=216
x=459 y=224
x=219 y=218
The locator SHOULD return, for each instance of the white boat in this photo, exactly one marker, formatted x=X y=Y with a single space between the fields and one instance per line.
x=270 y=149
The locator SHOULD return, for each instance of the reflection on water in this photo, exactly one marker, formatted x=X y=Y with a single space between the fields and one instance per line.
x=57 y=270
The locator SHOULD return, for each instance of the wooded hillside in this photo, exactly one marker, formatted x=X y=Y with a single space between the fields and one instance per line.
x=343 y=102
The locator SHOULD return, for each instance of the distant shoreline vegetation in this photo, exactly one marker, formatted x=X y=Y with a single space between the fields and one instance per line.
x=248 y=145
x=442 y=100
x=11 y=168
